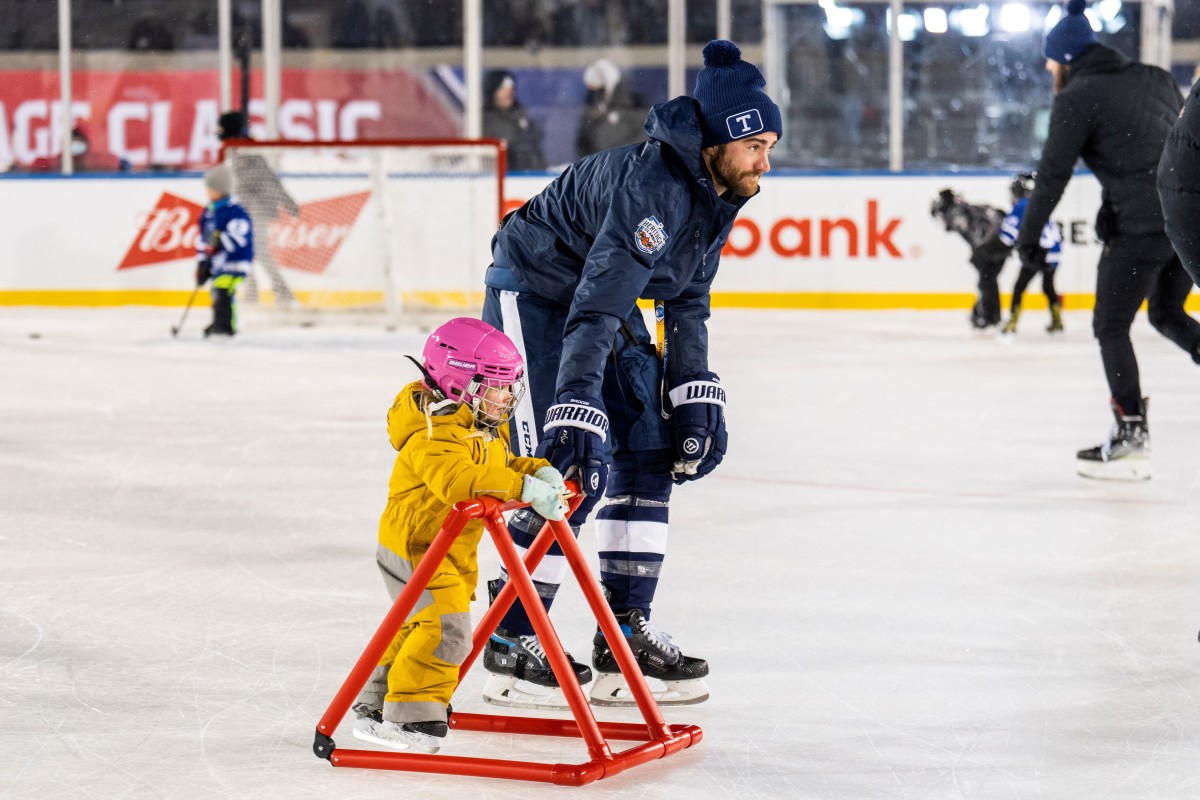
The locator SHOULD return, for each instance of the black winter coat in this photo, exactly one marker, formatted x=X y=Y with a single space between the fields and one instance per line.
x=1114 y=114
x=520 y=131
x=1179 y=185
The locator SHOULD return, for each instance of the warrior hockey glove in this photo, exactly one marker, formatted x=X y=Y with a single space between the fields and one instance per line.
x=545 y=499
x=699 y=420
x=203 y=272
x=575 y=430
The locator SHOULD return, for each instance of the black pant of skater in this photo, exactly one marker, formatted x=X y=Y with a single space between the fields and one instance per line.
x=988 y=259
x=1132 y=269
x=1026 y=275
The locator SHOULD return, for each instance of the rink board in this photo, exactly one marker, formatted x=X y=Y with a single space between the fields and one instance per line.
x=830 y=241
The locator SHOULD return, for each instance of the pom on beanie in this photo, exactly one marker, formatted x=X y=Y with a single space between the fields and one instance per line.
x=733 y=103
x=1072 y=36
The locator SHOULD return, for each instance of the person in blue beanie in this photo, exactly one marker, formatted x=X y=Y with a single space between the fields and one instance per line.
x=623 y=414
x=1115 y=114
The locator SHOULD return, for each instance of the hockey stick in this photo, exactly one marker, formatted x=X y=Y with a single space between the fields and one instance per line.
x=176 y=328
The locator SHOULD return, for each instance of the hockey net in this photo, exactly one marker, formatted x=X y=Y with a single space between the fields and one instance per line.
x=400 y=228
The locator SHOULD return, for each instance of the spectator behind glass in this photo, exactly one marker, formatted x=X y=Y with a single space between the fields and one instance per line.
x=505 y=118
x=613 y=114
x=84 y=159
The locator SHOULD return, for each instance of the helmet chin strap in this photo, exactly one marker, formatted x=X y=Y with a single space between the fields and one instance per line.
x=430 y=383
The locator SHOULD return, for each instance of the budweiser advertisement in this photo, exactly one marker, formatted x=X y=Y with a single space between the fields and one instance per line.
x=816 y=241
x=306 y=241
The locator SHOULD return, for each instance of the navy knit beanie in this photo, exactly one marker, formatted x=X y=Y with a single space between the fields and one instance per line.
x=1072 y=36
x=733 y=104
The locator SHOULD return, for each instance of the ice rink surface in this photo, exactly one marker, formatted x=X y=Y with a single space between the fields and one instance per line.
x=903 y=589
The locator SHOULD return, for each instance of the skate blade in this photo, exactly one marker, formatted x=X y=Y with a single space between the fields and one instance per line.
x=411 y=742
x=612 y=690
x=1123 y=469
x=507 y=691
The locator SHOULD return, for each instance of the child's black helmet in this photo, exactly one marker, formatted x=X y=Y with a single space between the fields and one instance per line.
x=1022 y=185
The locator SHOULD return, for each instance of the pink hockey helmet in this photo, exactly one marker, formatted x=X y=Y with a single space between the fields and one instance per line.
x=465 y=357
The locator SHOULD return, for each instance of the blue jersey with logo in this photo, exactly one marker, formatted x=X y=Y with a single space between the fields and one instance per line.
x=226 y=225
x=1050 y=240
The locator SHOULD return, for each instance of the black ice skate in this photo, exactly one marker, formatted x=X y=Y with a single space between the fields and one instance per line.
x=981 y=320
x=682 y=676
x=1125 y=454
x=521 y=676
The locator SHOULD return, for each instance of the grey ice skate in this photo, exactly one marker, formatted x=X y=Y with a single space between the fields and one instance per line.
x=416 y=737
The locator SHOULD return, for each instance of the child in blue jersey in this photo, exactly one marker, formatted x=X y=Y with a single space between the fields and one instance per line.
x=1050 y=252
x=224 y=249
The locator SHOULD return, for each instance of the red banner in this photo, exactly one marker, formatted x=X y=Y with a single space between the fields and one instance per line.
x=169 y=119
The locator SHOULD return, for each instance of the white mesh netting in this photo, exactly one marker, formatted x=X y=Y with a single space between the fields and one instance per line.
x=400 y=228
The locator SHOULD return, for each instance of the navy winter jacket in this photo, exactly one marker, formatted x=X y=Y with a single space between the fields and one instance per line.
x=635 y=221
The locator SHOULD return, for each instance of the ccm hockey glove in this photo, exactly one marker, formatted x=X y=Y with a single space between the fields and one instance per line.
x=699 y=420
x=203 y=271
x=573 y=442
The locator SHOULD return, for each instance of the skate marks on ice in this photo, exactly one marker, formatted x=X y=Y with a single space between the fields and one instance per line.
x=901 y=586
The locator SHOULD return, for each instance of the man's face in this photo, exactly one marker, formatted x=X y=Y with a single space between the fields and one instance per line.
x=739 y=164
x=1058 y=72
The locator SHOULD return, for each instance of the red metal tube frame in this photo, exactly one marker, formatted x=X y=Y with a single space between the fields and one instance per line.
x=657 y=738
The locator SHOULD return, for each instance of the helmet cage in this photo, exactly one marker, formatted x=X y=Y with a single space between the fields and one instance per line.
x=493 y=400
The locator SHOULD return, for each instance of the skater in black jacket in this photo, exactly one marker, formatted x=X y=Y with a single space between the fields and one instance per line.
x=1115 y=114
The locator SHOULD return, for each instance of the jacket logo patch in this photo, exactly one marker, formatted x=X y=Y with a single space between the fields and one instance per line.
x=650 y=235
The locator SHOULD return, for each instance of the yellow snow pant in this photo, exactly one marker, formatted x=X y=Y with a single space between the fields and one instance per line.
x=423 y=659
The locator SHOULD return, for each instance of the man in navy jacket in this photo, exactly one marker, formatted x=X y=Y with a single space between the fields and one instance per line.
x=607 y=405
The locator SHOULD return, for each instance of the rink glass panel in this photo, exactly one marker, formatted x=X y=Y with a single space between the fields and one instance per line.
x=975 y=91
x=371 y=69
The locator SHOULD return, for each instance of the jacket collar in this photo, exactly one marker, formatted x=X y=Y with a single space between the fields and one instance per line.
x=1098 y=58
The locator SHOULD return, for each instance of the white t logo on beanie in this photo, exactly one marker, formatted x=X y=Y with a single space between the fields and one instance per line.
x=744 y=123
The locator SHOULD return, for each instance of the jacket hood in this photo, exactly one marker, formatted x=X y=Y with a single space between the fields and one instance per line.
x=676 y=123
x=1099 y=58
x=406 y=419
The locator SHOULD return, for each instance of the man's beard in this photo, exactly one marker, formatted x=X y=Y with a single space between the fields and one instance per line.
x=742 y=183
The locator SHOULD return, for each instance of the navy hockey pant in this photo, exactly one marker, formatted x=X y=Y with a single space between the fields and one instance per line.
x=631 y=530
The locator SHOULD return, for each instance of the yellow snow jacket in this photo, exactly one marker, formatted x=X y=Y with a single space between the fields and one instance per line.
x=442 y=460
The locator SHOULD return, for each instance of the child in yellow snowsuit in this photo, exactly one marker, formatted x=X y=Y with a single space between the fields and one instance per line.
x=453 y=444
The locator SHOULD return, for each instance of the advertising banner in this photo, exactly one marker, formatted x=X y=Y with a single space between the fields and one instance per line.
x=817 y=242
